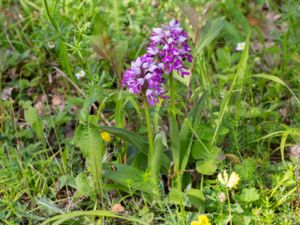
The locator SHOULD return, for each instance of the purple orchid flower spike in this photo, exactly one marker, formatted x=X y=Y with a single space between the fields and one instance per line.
x=169 y=45
x=145 y=76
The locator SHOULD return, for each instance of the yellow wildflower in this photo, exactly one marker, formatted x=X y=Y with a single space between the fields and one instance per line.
x=105 y=136
x=202 y=220
x=231 y=182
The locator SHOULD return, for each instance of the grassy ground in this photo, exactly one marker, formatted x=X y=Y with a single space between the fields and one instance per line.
x=53 y=161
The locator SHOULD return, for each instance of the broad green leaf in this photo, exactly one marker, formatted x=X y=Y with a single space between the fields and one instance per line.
x=175 y=141
x=186 y=134
x=157 y=154
x=249 y=195
x=66 y=180
x=119 y=111
x=196 y=197
x=236 y=207
x=87 y=138
x=207 y=167
x=199 y=151
x=246 y=169
x=209 y=33
x=156 y=116
x=190 y=13
x=137 y=140
x=130 y=177
x=84 y=112
x=34 y=120
x=241 y=219
x=174 y=197
x=83 y=186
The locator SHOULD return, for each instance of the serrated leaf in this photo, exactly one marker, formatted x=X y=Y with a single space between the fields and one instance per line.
x=247 y=169
x=83 y=186
x=249 y=195
x=87 y=137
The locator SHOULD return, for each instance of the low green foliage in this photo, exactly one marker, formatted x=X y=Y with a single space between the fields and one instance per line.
x=77 y=148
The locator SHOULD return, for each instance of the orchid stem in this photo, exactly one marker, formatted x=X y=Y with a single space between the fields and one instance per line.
x=178 y=172
x=172 y=94
x=149 y=131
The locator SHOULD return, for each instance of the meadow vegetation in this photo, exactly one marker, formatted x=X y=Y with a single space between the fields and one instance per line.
x=150 y=112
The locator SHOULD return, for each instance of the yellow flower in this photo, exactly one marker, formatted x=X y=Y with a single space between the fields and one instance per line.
x=231 y=182
x=202 y=220
x=105 y=136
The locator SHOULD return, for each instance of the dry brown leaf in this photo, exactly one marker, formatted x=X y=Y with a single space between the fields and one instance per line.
x=39 y=104
x=58 y=102
x=6 y=93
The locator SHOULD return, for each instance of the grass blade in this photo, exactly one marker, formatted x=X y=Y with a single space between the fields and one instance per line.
x=99 y=213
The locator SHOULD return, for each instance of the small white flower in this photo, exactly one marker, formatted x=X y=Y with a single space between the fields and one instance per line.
x=87 y=27
x=51 y=44
x=222 y=197
x=222 y=94
x=80 y=74
x=240 y=46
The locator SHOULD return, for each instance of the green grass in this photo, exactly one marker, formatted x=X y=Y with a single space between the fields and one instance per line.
x=238 y=111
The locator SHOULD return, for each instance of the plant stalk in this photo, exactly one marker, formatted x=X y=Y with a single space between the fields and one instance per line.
x=172 y=94
x=229 y=206
x=177 y=170
x=149 y=131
